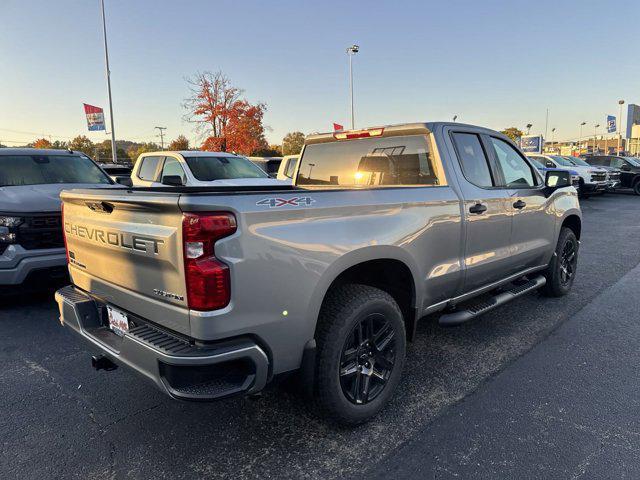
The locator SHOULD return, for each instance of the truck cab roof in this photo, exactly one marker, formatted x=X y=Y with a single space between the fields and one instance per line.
x=416 y=128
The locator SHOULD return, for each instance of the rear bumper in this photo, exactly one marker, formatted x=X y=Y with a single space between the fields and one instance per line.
x=16 y=263
x=177 y=365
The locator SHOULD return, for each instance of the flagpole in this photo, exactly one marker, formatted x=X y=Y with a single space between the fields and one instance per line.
x=114 y=154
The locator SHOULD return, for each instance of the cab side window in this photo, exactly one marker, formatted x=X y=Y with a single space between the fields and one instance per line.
x=290 y=167
x=473 y=160
x=148 y=168
x=173 y=167
x=515 y=170
x=615 y=162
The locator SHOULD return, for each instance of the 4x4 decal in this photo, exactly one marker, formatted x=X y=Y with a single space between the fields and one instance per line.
x=276 y=202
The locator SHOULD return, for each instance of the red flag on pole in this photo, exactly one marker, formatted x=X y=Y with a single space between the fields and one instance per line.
x=95 y=117
x=337 y=127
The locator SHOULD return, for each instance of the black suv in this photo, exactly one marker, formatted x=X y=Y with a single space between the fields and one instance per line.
x=629 y=169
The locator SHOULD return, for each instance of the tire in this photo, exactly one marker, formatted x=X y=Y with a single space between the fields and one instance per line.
x=561 y=272
x=344 y=357
x=636 y=187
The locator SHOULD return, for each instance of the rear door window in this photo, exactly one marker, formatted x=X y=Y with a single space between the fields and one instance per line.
x=149 y=168
x=290 y=167
x=369 y=162
x=173 y=167
x=473 y=160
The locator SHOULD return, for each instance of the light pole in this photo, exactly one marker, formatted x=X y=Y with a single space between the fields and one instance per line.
x=553 y=138
x=580 y=137
x=620 y=102
x=311 y=165
x=351 y=51
x=161 y=135
x=529 y=125
x=106 y=61
x=595 y=136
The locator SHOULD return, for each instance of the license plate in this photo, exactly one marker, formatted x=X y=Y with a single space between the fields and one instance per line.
x=118 y=321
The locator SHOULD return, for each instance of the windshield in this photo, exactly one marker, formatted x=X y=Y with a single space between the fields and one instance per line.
x=577 y=161
x=211 y=168
x=561 y=160
x=633 y=161
x=18 y=170
x=536 y=163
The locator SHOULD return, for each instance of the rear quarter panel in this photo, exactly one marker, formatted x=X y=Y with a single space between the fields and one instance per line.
x=284 y=258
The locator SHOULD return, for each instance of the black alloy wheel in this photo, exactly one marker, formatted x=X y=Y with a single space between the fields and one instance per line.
x=367 y=359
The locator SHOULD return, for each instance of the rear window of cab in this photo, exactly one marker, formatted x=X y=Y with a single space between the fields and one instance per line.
x=369 y=162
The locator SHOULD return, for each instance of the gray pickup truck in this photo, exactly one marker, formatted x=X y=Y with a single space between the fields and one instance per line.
x=210 y=292
x=31 y=243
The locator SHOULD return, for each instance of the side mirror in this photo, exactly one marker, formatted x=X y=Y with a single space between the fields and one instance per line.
x=557 y=179
x=172 y=180
x=126 y=181
x=625 y=167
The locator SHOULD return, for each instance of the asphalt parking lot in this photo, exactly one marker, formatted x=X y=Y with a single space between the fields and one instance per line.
x=61 y=419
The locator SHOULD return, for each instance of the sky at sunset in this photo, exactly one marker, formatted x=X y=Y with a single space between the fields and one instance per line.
x=492 y=63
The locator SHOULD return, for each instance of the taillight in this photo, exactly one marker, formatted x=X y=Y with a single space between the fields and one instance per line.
x=207 y=278
x=64 y=234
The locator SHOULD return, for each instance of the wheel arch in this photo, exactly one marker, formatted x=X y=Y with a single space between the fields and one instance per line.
x=573 y=222
x=389 y=268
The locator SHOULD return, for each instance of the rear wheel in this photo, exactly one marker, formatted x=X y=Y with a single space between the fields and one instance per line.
x=636 y=187
x=361 y=348
x=561 y=271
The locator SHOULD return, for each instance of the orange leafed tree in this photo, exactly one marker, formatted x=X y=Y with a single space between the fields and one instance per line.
x=42 y=143
x=226 y=120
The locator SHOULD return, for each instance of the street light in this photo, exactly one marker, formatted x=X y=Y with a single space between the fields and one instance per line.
x=351 y=51
x=114 y=155
x=553 y=137
x=580 y=137
x=455 y=117
x=529 y=125
x=595 y=136
x=620 y=102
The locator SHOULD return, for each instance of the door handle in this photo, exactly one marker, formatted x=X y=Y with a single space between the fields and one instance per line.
x=478 y=208
x=519 y=204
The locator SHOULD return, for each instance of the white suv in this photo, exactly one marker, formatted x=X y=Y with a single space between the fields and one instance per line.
x=592 y=179
x=197 y=168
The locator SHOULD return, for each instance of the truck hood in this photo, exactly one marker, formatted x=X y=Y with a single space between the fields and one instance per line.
x=585 y=170
x=37 y=198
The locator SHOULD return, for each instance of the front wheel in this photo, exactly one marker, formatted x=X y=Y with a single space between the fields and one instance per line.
x=636 y=187
x=561 y=272
x=361 y=349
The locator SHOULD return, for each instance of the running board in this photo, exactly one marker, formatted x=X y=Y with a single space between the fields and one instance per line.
x=462 y=316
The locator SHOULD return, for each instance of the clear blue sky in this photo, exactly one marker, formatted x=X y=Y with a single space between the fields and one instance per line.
x=493 y=63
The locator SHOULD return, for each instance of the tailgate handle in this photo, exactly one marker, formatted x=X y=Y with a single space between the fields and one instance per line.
x=102 y=207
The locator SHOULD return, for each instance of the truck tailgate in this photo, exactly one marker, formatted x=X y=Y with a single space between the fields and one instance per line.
x=125 y=247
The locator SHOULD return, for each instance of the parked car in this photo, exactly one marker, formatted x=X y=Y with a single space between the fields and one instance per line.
x=575 y=178
x=31 y=180
x=198 y=169
x=214 y=292
x=288 y=168
x=592 y=179
x=629 y=169
x=269 y=165
x=613 y=174
x=118 y=172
